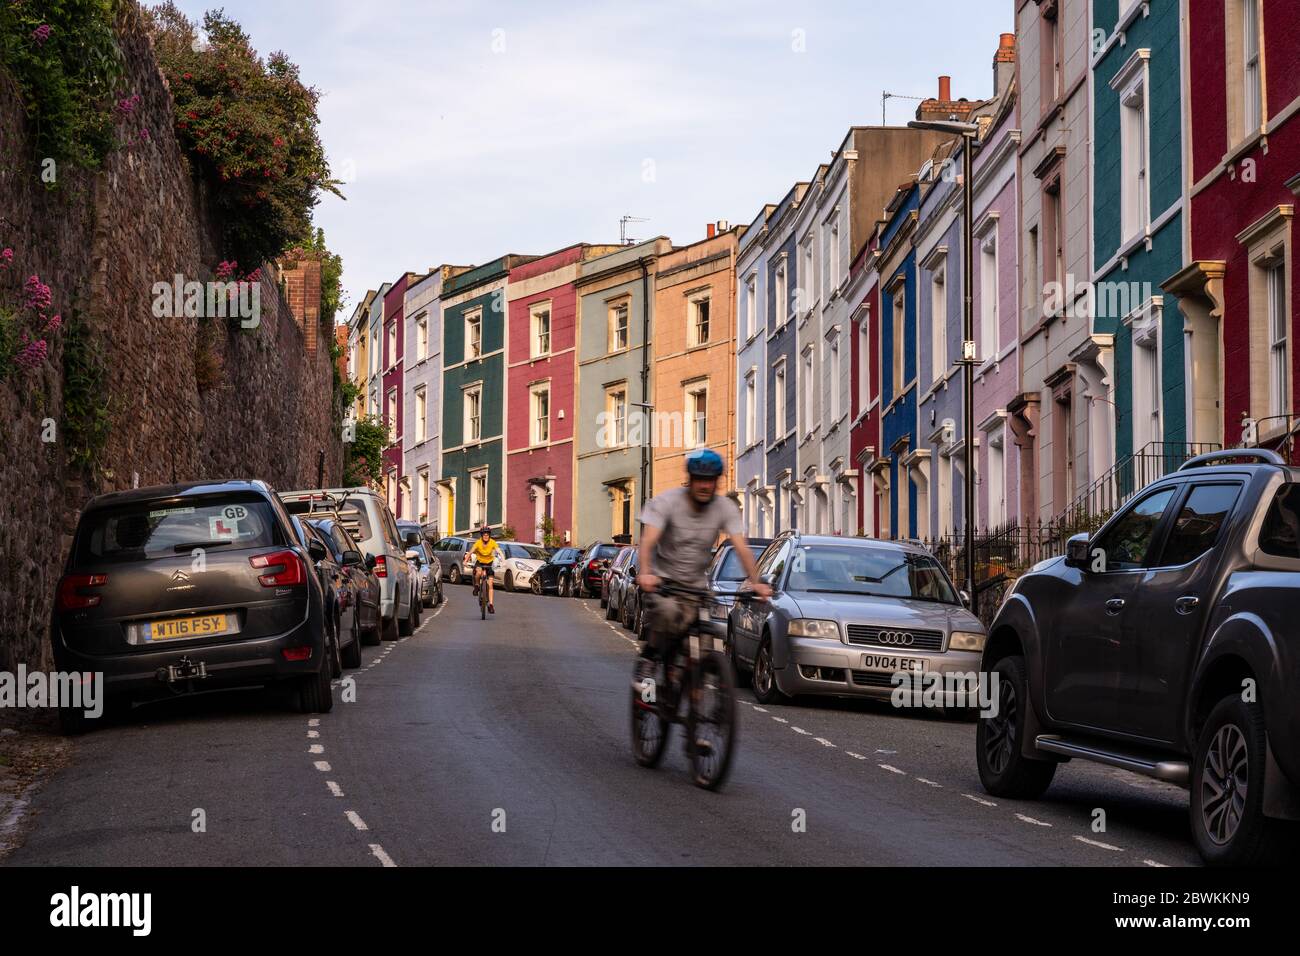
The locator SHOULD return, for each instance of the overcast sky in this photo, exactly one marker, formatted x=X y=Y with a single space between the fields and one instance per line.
x=468 y=130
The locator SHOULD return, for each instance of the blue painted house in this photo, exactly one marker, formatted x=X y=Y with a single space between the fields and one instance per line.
x=898 y=365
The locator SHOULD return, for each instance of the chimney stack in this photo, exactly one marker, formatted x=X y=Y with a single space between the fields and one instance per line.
x=945 y=107
x=710 y=231
x=1004 y=63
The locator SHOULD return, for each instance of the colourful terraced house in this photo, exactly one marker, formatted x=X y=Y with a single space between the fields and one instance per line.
x=473 y=395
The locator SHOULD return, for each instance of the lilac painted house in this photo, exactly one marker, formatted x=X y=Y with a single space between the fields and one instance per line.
x=995 y=202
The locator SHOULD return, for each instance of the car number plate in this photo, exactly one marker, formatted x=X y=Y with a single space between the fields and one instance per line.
x=892 y=663
x=181 y=627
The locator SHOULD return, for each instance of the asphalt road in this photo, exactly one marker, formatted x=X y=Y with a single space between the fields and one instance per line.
x=507 y=742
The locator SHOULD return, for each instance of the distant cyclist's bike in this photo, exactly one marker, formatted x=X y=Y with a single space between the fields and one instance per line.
x=483 y=591
x=696 y=688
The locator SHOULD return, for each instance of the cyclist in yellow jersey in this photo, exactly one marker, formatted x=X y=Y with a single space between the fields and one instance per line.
x=484 y=550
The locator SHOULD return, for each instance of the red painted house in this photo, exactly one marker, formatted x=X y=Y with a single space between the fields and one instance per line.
x=1238 y=294
x=393 y=346
x=864 y=398
x=540 y=397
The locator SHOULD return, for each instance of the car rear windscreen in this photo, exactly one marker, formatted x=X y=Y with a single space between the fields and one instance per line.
x=153 y=529
x=605 y=551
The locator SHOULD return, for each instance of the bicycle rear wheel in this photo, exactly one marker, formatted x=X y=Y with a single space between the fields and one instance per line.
x=711 y=724
x=649 y=728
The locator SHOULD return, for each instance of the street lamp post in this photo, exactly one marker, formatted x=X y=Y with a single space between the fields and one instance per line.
x=968 y=132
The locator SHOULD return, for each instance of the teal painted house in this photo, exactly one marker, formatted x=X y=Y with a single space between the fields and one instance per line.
x=473 y=393
x=1134 y=366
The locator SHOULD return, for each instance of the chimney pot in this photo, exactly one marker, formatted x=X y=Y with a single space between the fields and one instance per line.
x=711 y=230
x=945 y=89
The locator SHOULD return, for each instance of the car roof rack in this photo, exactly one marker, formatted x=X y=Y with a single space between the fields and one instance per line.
x=1260 y=456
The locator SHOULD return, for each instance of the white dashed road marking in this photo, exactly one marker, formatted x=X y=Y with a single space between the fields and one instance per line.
x=357 y=822
x=980 y=800
x=379 y=853
x=323 y=766
x=929 y=783
x=334 y=788
x=824 y=742
x=316 y=749
x=885 y=766
x=1038 y=823
x=1099 y=844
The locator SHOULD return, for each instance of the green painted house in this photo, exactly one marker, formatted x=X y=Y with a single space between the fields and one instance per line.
x=473 y=395
x=1136 y=351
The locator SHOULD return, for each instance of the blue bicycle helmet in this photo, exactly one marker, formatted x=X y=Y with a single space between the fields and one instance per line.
x=704 y=463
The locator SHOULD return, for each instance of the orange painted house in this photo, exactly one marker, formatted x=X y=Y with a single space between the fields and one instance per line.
x=694 y=365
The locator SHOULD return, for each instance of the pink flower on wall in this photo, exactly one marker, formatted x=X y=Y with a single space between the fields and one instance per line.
x=41 y=34
x=6 y=257
x=36 y=294
x=31 y=355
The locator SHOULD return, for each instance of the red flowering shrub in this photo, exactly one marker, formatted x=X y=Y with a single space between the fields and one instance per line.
x=250 y=125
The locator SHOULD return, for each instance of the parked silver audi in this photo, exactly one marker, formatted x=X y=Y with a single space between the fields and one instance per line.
x=848 y=614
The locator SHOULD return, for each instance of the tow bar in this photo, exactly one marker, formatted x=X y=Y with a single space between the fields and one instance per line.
x=183 y=670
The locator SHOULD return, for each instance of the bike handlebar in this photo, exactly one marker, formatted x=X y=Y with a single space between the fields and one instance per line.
x=671 y=587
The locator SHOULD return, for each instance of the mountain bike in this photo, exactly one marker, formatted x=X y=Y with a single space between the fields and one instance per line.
x=694 y=687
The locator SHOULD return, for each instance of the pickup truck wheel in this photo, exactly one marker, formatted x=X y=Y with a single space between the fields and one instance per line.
x=406 y=626
x=1004 y=771
x=1228 y=821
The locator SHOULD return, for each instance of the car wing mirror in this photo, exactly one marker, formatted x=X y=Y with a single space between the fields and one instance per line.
x=370 y=562
x=965 y=598
x=1076 y=552
x=316 y=550
x=352 y=559
x=413 y=555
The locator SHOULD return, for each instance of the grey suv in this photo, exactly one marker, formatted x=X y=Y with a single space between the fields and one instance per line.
x=370 y=522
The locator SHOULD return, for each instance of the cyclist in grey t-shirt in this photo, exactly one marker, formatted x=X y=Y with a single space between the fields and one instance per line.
x=679 y=529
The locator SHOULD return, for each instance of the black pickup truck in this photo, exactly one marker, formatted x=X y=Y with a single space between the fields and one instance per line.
x=1168 y=643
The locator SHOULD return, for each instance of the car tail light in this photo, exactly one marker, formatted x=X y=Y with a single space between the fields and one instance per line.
x=381 y=566
x=297 y=653
x=283 y=568
x=72 y=595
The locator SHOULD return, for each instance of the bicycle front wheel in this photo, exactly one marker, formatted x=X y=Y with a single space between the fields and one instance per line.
x=712 y=721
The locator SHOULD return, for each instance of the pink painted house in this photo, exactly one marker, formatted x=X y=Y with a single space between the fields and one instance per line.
x=393 y=348
x=540 y=398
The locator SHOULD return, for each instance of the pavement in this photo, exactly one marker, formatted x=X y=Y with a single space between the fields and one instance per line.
x=507 y=742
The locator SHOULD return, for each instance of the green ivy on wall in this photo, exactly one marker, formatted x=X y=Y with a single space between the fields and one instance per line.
x=65 y=58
